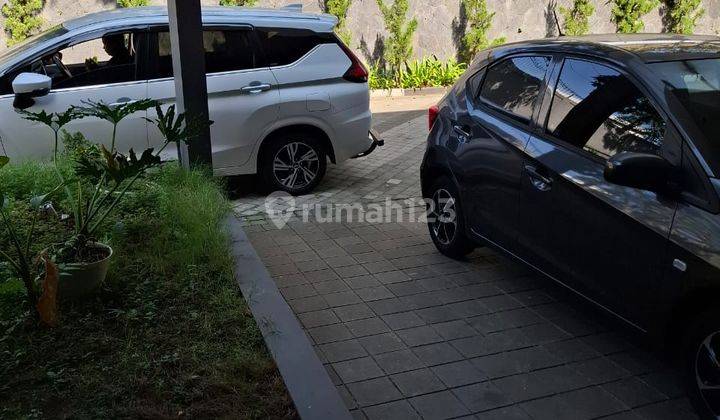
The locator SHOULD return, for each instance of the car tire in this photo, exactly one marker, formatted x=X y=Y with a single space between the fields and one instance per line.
x=294 y=163
x=701 y=350
x=446 y=221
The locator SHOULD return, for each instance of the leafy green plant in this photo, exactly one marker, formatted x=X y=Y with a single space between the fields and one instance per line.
x=245 y=3
x=627 y=14
x=479 y=19
x=683 y=15
x=339 y=9
x=75 y=146
x=576 y=20
x=21 y=258
x=110 y=172
x=398 y=45
x=21 y=19
x=110 y=113
x=132 y=3
x=417 y=74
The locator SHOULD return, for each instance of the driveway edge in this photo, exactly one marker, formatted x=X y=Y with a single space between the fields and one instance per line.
x=307 y=381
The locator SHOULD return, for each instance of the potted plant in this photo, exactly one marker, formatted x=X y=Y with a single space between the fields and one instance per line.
x=102 y=180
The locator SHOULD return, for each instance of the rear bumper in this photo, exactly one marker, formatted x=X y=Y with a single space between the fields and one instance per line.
x=376 y=142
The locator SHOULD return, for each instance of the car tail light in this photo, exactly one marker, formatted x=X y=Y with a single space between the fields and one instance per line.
x=357 y=72
x=432 y=116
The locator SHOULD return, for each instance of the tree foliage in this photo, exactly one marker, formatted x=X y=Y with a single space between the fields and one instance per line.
x=339 y=9
x=479 y=20
x=244 y=3
x=398 y=45
x=683 y=15
x=21 y=19
x=627 y=14
x=132 y=3
x=577 y=19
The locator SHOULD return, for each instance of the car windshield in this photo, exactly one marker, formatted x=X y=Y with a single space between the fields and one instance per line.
x=31 y=42
x=696 y=83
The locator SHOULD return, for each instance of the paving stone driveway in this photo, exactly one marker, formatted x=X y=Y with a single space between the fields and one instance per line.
x=407 y=333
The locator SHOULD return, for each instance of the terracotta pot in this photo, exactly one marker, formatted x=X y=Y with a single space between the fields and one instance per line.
x=84 y=279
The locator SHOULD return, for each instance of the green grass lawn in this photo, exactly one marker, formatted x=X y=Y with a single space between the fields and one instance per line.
x=169 y=335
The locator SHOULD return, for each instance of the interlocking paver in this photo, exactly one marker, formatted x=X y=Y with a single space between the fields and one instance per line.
x=441 y=405
x=343 y=350
x=458 y=374
x=368 y=326
x=381 y=343
x=398 y=361
x=437 y=353
x=356 y=370
x=408 y=333
x=482 y=396
x=417 y=382
x=374 y=391
x=353 y=312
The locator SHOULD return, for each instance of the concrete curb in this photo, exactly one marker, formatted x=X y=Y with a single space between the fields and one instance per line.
x=307 y=381
x=394 y=93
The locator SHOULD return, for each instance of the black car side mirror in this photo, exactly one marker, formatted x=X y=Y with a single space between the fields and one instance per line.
x=642 y=170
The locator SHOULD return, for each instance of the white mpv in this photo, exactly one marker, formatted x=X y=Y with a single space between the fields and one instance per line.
x=284 y=93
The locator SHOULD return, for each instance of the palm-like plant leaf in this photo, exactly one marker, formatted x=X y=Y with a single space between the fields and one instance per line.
x=180 y=129
x=113 y=113
x=54 y=120
x=115 y=166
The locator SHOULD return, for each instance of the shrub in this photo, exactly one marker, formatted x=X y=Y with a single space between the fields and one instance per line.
x=480 y=20
x=683 y=15
x=398 y=45
x=577 y=19
x=245 y=3
x=21 y=19
x=339 y=8
x=627 y=14
x=428 y=72
x=132 y=3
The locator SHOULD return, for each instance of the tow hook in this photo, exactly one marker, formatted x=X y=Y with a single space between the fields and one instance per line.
x=376 y=142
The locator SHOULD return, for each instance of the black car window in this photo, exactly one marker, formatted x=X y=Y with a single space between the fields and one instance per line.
x=225 y=50
x=598 y=109
x=286 y=46
x=514 y=84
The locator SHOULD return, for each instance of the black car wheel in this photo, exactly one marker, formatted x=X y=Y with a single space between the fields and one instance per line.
x=445 y=220
x=293 y=163
x=702 y=353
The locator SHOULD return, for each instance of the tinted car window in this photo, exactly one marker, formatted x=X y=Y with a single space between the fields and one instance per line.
x=286 y=46
x=225 y=50
x=514 y=85
x=598 y=109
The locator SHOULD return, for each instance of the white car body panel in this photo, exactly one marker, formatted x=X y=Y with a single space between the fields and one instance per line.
x=22 y=139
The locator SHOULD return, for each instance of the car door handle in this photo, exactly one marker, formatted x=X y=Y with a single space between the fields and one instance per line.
x=462 y=131
x=254 y=89
x=539 y=181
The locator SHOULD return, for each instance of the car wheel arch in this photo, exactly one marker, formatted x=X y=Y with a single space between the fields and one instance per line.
x=304 y=128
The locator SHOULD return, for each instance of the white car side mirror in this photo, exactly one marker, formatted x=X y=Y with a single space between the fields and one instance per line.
x=29 y=85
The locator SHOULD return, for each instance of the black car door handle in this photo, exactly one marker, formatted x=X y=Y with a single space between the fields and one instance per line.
x=541 y=182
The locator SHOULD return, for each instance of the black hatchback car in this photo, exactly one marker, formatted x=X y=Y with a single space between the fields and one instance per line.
x=596 y=161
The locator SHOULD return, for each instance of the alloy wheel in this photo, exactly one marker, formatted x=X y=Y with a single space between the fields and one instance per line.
x=296 y=165
x=443 y=216
x=707 y=372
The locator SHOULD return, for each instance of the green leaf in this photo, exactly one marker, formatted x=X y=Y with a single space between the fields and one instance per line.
x=4 y=160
